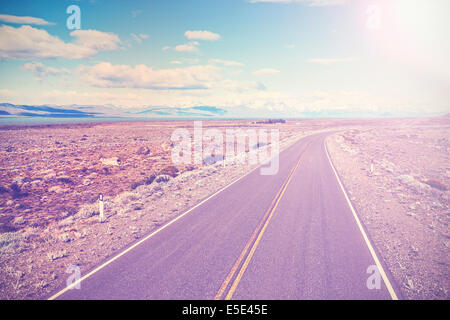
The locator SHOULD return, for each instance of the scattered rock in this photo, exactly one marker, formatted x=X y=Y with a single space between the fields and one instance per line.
x=65 y=237
x=137 y=206
x=171 y=171
x=19 y=221
x=437 y=205
x=409 y=284
x=413 y=184
x=52 y=256
x=436 y=184
x=114 y=161
x=57 y=189
x=41 y=284
x=162 y=178
x=67 y=222
x=143 y=151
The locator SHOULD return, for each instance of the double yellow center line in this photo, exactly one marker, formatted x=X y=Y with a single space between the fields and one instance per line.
x=257 y=234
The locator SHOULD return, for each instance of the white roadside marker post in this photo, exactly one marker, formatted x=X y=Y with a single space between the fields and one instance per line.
x=101 y=207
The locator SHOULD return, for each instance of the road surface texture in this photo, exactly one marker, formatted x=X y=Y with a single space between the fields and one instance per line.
x=292 y=235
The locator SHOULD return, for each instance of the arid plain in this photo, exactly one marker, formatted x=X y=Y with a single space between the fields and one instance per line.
x=396 y=170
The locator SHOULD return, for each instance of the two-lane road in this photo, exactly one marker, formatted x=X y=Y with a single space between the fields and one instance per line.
x=292 y=235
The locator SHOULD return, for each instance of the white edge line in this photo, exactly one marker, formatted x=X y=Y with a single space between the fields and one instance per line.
x=366 y=239
x=146 y=238
x=67 y=288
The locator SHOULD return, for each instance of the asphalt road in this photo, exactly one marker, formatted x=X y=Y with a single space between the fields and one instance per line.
x=292 y=235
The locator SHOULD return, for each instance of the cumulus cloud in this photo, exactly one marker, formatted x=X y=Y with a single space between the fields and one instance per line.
x=226 y=63
x=27 y=42
x=97 y=40
x=328 y=61
x=107 y=75
x=40 y=71
x=202 y=35
x=266 y=72
x=188 y=47
x=242 y=86
x=23 y=20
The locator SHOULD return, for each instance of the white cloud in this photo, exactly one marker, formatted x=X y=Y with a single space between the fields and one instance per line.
x=226 y=63
x=328 y=61
x=107 y=75
x=40 y=71
x=27 y=42
x=188 y=47
x=190 y=78
x=23 y=20
x=165 y=48
x=240 y=86
x=138 y=37
x=266 y=72
x=97 y=40
x=175 y=62
x=202 y=35
x=191 y=61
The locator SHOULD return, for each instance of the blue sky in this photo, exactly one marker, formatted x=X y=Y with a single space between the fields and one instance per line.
x=324 y=56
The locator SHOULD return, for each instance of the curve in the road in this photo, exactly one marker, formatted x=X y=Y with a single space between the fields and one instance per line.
x=233 y=245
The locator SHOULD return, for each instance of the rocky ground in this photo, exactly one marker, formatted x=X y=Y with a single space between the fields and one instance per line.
x=398 y=178
x=51 y=178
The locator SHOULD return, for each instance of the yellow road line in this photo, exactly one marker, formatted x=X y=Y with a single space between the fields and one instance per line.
x=247 y=246
x=75 y=283
x=258 y=233
x=244 y=252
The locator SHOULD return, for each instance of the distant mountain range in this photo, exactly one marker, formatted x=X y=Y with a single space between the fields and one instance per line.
x=77 y=111
x=200 y=111
x=150 y=112
x=8 y=110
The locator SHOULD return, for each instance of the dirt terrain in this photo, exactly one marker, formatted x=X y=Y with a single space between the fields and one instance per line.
x=50 y=178
x=398 y=178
